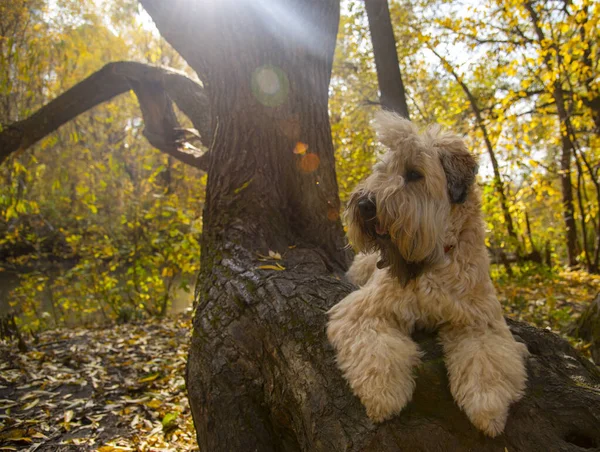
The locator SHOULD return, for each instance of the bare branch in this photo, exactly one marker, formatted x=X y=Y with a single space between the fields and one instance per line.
x=156 y=89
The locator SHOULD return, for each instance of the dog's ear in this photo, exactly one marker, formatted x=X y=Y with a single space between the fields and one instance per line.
x=459 y=165
x=392 y=129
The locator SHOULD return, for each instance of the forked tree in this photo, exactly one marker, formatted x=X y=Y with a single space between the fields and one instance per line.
x=261 y=375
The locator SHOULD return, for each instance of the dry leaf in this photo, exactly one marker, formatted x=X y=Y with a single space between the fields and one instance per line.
x=271 y=267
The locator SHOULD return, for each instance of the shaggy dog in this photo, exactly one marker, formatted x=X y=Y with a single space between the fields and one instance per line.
x=423 y=264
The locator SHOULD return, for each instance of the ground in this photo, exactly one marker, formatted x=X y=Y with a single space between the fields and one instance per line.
x=119 y=388
x=547 y=298
x=123 y=388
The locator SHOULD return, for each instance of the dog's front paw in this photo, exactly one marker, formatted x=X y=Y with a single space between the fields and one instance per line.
x=490 y=423
x=384 y=397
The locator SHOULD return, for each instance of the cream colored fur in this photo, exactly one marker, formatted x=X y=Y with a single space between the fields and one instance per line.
x=371 y=328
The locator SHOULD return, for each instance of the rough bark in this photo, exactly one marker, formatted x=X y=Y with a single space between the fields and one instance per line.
x=272 y=152
x=393 y=96
x=156 y=89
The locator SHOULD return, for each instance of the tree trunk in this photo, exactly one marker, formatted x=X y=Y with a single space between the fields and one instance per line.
x=393 y=97
x=568 y=146
x=565 y=177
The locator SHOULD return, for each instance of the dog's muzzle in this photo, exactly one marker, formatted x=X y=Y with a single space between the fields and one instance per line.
x=368 y=213
x=390 y=257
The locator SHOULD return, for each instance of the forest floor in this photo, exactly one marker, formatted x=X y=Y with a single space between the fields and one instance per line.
x=123 y=388
x=547 y=298
x=110 y=389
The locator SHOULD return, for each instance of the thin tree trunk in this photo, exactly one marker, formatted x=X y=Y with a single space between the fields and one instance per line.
x=583 y=214
x=566 y=143
x=565 y=178
x=392 y=91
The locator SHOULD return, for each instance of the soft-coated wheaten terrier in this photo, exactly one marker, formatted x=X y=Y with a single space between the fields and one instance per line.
x=423 y=264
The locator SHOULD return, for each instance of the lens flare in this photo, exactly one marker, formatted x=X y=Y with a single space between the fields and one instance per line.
x=270 y=85
x=300 y=148
x=309 y=163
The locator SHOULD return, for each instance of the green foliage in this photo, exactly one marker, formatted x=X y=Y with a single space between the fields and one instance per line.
x=100 y=226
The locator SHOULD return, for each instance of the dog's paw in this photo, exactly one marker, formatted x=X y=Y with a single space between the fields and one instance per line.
x=382 y=409
x=490 y=424
x=487 y=409
x=383 y=403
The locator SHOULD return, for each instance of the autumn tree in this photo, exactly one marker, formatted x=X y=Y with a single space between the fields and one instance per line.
x=548 y=51
x=82 y=212
x=261 y=375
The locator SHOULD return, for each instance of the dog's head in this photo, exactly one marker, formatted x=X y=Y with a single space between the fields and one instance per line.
x=403 y=208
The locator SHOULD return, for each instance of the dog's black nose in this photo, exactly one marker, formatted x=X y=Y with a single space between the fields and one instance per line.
x=367 y=209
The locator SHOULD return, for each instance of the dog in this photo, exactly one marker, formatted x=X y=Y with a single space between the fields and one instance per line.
x=417 y=223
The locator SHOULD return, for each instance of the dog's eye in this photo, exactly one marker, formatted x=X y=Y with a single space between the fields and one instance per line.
x=413 y=175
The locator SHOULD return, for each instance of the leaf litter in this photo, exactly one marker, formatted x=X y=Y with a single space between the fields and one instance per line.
x=110 y=389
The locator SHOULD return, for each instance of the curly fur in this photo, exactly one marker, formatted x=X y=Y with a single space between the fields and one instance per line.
x=435 y=223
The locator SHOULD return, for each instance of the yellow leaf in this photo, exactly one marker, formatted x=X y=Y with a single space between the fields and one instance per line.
x=154 y=404
x=69 y=416
x=31 y=405
x=300 y=148
x=271 y=267
x=152 y=377
x=12 y=435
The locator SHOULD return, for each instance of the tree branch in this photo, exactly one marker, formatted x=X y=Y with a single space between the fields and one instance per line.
x=156 y=89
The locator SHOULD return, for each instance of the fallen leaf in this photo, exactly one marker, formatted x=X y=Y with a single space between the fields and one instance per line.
x=150 y=377
x=271 y=267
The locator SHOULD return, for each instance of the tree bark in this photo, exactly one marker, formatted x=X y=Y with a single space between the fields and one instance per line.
x=270 y=353
x=156 y=89
x=393 y=96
